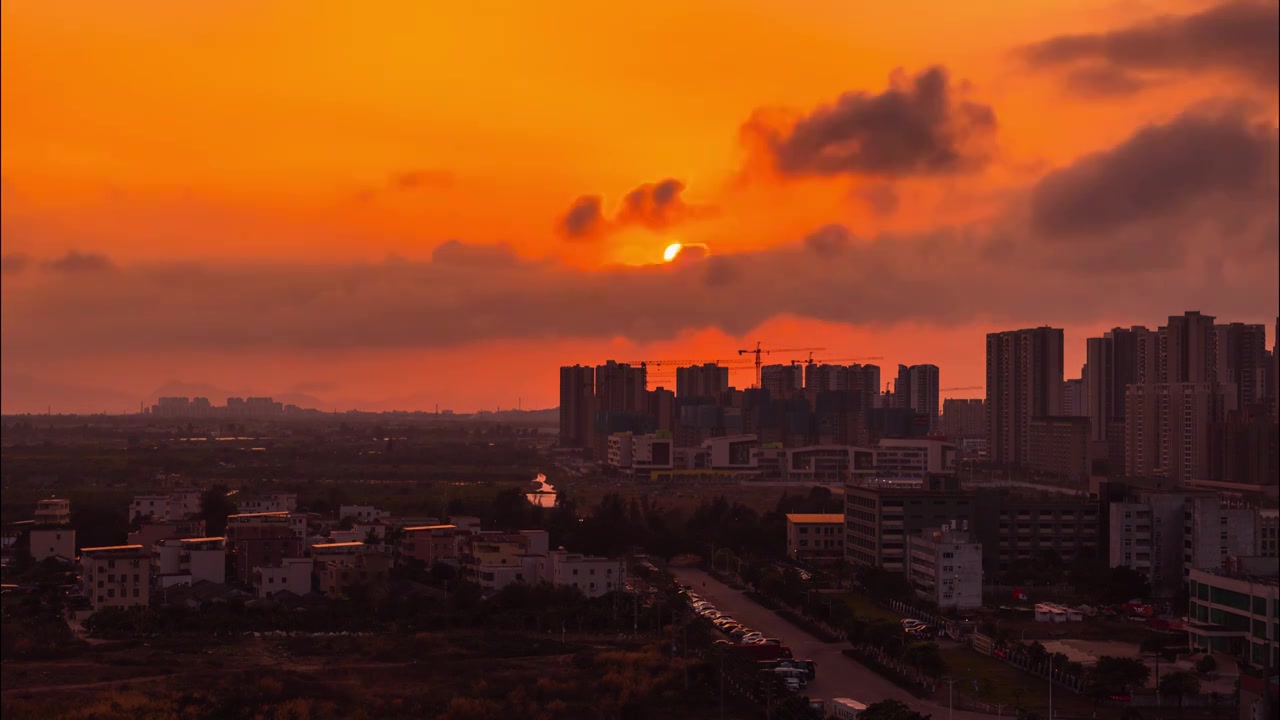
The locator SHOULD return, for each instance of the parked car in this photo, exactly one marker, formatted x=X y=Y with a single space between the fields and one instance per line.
x=752 y=637
x=908 y=623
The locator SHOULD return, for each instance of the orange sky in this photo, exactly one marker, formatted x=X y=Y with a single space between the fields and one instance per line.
x=313 y=133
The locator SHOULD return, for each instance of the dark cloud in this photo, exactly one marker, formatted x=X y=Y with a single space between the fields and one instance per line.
x=1105 y=81
x=14 y=263
x=420 y=179
x=880 y=197
x=584 y=220
x=655 y=206
x=1157 y=172
x=916 y=127
x=78 y=262
x=1180 y=215
x=1235 y=37
x=828 y=241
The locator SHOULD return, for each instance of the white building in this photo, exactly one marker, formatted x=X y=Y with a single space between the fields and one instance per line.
x=732 y=452
x=362 y=513
x=271 y=502
x=188 y=561
x=292 y=575
x=1148 y=536
x=177 y=505
x=594 y=576
x=296 y=522
x=1214 y=531
x=152 y=506
x=52 y=511
x=47 y=542
x=116 y=576
x=945 y=567
x=641 y=454
x=914 y=459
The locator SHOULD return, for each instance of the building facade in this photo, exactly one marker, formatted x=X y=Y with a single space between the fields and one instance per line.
x=1024 y=381
x=1236 y=611
x=815 y=536
x=1060 y=447
x=117 y=576
x=944 y=567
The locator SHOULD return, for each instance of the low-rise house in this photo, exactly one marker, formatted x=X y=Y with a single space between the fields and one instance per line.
x=431 y=544
x=365 y=573
x=189 y=560
x=116 y=576
x=594 y=576
x=293 y=575
x=151 y=532
x=815 y=536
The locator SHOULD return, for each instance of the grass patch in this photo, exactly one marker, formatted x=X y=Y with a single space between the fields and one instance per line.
x=1001 y=683
x=864 y=608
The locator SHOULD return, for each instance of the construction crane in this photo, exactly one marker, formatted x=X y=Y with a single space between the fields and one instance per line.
x=825 y=361
x=758 y=351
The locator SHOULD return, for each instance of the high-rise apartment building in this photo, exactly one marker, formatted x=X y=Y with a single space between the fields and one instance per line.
x=1242 y=361
x=1167 y=429
x=701 y=381
x=577 y=398
x=963 y=418
x=826 y=378
x=1188 y=349
x=782 y=381
x=1075 y=399
x=1113 y=364
x=620 y=387
x=920 y=392
x=1024 y=380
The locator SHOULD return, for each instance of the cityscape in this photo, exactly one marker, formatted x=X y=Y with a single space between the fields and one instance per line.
x=584 y=361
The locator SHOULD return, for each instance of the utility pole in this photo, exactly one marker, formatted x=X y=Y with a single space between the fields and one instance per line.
x=721 y=684
x=1050 y=687
x=951 y=686
x=999 y=713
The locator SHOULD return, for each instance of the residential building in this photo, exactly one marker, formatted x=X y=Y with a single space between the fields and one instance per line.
x=1024 y=381
x=1244 y=448
x=577 y=399
x=826 y=378
x=432 y=544
x=1167 y=429
x=291 y=575
x=494 y=560
x=178 y=505
x=256 y=540
x=1235 y=611
x=594 y=576
x=362 y=513
x=52 y=541
x=295 y=522
x=944 y=566
x=187 y=561
x=878 y=520
x=1060 y=447
x=701 y=381
x=1075 y=397
x=1268 y=529
x=911 y=459
x=1147 y=534
x=815 y=536
x=151 y=532
x=662 y=408
x=782 y=381
x=963 y=418
x=117 y=576
x=1022 y=526
x=268 y=503
x=52 y=511
x=1214 y=531
x=917 y=388
x=1242 y=361
x=363 y=573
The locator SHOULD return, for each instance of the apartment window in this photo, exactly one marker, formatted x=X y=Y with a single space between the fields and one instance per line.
x=948 y=555
x=111 y=577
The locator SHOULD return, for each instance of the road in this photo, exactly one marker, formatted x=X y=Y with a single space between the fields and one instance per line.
x=838 y=676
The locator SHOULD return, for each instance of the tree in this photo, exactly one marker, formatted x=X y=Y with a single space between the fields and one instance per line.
x=891 y=710
x=215 y=506
x=1115 y=676
x=1206 y=665
x=1179 y=684
x=926 y=658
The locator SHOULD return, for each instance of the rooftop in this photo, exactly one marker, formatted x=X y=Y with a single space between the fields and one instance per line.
x=280 y=513
x=122 y=549
x=330 y=546
x=201 y=539
x=430 y=527
x=815 y=518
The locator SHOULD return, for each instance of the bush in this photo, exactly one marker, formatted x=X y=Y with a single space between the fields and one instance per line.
x=762 y=599
x=1206 y=665
x=887 y=672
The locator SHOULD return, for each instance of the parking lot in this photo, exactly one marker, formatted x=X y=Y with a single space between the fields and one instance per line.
x=837 y=676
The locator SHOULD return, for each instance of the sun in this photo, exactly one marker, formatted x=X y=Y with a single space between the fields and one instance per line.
x=671 y=252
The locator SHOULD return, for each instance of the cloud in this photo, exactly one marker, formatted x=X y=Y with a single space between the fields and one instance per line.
x=655 y=206
x=917 y=127
x=14 y=263
x=1177 y=216
x=658 y=206
x=1157 y=171
x=78 y=262
x=1239 y=38
x=584 y=220
x=1099 y=81
x=881 y=198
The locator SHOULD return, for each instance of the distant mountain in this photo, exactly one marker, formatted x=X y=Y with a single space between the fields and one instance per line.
x=218 y=396
x=28 y=394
